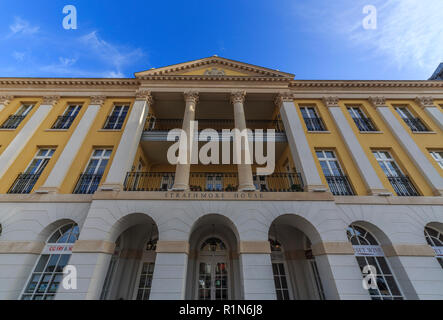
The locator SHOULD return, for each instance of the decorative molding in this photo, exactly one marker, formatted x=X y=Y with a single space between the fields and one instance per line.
x=172 y=247
x=425 y=102
x=26 y=82
x=255 y=247
x=238 y=96
x=5 y=100
x=331 y=101
x=191 y=96
x=93 y=246
x=333 y=248
x=377 y=102
x=50 y=100
x=144 y=94
x=408 y=250
x=98 y=100
x=365 y=84
x=284 y=97
x=21 y=247
x=215 y=72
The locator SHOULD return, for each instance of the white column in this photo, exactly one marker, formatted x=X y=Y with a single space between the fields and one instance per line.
x=183 y=170
x=26 y=133
x=425 y=167
x=4 y=101
x=257 y=276
x=427 y=103
x=58 y=173
x=130 y=140
x=298 y=143
x=245 y=180
x=373 y=184
x=169 y=279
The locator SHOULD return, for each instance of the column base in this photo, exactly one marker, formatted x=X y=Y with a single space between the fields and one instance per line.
x=180 y=187
x=316 y=188
x=379 y=192
x=247 y=188
x=111 y=187
x=438 y=193
x=48 y=190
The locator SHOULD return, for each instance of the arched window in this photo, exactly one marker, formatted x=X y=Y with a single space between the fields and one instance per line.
x=435 y=240
x=368 y=252
x=48 y=272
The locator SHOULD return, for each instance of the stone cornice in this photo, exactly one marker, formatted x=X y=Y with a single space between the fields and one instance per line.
x=214 y=78
x=238 y=96
x=425 y=102
x=67 y=82
x=365 y=84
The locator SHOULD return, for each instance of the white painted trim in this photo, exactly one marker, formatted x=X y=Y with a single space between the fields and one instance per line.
x=436 y=115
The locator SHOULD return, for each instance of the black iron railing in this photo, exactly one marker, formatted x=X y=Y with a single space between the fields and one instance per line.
x=213 y=181
x=277 y=125
x=24 y=183
x=415 y=124
x=12 y=122
x=403 y=186
x=114 y=122
x=63 y=122
x=149 y=181
x=280 y=182
x=315 y=124
x=339 y=185
x=364 y=124
x=87 y=183
x=163 y=124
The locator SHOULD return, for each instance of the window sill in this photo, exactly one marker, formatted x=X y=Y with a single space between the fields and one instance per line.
x=5 y=129
x=319 y=132
x=109 y=130
x=424 y=132
x=371 y=132
x=56 y=130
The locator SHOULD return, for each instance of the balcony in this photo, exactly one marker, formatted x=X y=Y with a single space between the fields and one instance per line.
x=403 y=186
x=63 y=122
x=12 y=122
x=315 y=124
x=87 y=183
x=415 y=124
x=364 y=124
x=339 y=185
x=24 y=183
x=211 y=182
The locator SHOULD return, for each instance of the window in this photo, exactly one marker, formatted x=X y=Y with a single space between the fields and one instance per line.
x=337 y=181
x=214 y=182
x=260 y=183
x=312 y=120
x=14 y=120
x=48 y=272
x=435 y=240
x=415 y=124
x=117 y=118
x=438 y=156
x=167 y=181
x=400 y=182
x=368 y=252
x=90 y=179
x=65 y=121
x=25 y=181
x=111 y=270
x=281 y=282
x=362 y=122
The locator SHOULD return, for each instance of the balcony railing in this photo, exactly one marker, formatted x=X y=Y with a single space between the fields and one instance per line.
x=339 y=185
x=63 y=122
x=24 y=183
x=12 y=122
x=315 y=124
x=211 y=182
x=87 y=183
x=415 y=124
x=364 y=124
x=403 y=186
x=216 y=124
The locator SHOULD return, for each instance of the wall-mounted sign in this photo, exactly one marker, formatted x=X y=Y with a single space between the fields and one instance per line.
x=58 y=249
x=371 y=251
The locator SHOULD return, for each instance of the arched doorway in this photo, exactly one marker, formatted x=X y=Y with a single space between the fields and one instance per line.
x=213 y=264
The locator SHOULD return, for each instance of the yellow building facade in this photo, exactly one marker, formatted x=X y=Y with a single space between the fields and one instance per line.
x=356 y=181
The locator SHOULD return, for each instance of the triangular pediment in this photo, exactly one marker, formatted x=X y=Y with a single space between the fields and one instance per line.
x=215 y=67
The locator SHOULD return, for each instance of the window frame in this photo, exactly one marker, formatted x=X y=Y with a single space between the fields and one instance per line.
x=437 y=155
x=123 y=107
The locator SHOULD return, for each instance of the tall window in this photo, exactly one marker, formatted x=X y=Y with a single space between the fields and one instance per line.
x=415 y=124
x=65 y=121
x=48 y=273
x=90 y=179
x=438 y=156
x=111 y=270
x=400 y=182
x=312 y=120
x=337 y=181
x=282 y=285
x=117 y=118
x=14 y=120
x=435 y=240
x=370 y=255
x=25 y=181
x=362 y=122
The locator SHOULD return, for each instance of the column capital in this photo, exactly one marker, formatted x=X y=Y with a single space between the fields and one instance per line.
x=238 y=96
x=377 y=102
x=98 y=100
x=50 y=100
x=425 y=102
x=284 y=97
x=331 y=101
x=5 y=100
x=191 y=96
x=145 y=95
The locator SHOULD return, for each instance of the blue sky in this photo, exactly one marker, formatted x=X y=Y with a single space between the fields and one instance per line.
x=314 y=39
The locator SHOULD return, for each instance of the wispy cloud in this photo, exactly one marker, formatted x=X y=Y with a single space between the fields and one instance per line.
x=19 y=56
x=21 y=26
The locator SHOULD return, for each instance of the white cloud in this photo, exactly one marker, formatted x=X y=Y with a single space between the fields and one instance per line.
x=21 y=26
x=19 y=56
